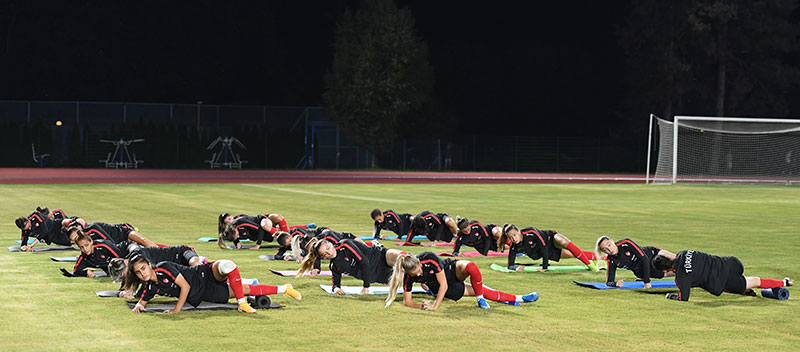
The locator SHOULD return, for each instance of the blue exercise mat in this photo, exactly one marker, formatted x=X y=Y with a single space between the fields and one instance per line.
x=628 y=284
x=30 y=240
x=214 y=239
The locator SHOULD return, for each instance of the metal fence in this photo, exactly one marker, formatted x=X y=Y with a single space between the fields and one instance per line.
x=177 y=136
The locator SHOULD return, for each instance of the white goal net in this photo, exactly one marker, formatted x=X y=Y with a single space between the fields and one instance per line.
x=726 y=150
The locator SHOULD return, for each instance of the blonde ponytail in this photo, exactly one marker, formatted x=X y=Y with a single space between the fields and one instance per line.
x=404 y=262
x=297 y=247
x=597 y=250
x=308 y=262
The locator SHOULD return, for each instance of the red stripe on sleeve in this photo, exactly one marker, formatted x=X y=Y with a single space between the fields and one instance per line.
x=350 y=248
x=108 y=247
x=78 y=263
x=165 y=271
x=433 y=216
x=537 y=234
x=634 y=246
x=432 y=262
x=90 y=232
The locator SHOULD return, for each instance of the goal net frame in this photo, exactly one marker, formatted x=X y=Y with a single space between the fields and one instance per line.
x=674 y=145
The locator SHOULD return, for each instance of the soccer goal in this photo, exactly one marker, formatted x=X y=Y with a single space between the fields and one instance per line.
x=698 y=149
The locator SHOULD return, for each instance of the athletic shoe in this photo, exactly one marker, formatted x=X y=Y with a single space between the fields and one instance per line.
x=290 y=291
x=482 y=303
x=750 y=292
x=377 y=244
x=601 y=264
x=246 y=308
x=311 y=226
x=593 y=267
x=531 y=297
x=788 y=282
x=510 y=303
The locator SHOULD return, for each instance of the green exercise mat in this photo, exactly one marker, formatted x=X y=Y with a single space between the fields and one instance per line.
x=531 y=269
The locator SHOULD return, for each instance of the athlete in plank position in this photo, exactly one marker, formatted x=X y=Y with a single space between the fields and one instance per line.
x=436 y=227
x=711 y=273
x=369 y=264
x=44 y=229
x=114 y=232
x=183 y=255
x=400 y=224
x=301 y=244
x=474 y=234
x=445 y=278
x=98 y=253
x=55 y=214
x=215 y=282
x=626 y=254
x=545 y=244
x=255 y=228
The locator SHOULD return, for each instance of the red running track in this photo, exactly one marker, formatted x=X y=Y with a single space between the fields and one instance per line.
x=67 y=176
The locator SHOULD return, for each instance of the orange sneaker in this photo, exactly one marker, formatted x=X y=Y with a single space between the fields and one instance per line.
x=290 y=291
x=246 y=308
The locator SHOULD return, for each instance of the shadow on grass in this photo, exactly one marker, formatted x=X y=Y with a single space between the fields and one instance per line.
x=728 y=300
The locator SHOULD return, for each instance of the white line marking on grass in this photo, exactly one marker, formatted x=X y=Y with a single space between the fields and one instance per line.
x=325 y=194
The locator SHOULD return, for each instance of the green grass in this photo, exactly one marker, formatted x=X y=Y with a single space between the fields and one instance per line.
x=42 y=310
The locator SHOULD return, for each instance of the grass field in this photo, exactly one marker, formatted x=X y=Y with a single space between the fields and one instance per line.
x=41 y=310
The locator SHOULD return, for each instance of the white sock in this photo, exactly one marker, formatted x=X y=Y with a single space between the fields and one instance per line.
x=243 y=299
x=478 y=296
x=282 y=289
x=518 y=298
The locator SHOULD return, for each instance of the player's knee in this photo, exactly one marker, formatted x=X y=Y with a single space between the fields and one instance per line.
x=194 y=261
x=225 y=266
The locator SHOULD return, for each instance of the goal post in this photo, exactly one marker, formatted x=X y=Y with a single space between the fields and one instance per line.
x=702 y=149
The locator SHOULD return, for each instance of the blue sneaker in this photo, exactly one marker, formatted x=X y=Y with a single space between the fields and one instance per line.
x=311 y=225
x=511 y=303
x=531 y=297
x=482 y=303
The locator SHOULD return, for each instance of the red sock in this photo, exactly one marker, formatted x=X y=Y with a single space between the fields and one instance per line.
x=770 y=283
x=260 y=290
x=235 y=281
x=498 y=296
x=272 y=231
x=283 y=226
x=577 y=252
x=161 y=245
x=475 y=278
x=298 y=227
x=590 y=255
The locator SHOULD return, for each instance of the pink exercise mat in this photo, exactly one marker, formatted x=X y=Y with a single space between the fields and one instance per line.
x=416 y=245
x=471 y=254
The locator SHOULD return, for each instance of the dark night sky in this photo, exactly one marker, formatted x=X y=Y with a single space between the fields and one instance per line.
x=500 y=65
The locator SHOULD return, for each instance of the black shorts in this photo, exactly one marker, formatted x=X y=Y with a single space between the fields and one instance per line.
x=187 y=253
x=213 y=290
x=735 y=282
x=384 y=271
x=553 y=253
x=455 y=287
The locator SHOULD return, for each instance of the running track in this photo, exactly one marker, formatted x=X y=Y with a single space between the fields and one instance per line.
x=62 y=176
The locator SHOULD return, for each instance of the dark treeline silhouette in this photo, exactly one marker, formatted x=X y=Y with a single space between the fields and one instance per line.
x=582 y=69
